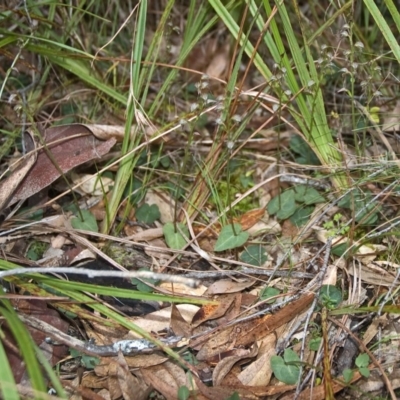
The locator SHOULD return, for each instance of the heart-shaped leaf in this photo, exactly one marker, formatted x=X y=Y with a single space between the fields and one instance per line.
x=173 y=237
x=231 y=236
x=147 y=213
x=286 y=369
x=283 y=205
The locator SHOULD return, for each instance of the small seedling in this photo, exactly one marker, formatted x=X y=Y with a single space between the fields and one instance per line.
x=296 y=204
x=362 y=362
x=286 y=368
x=330 y=296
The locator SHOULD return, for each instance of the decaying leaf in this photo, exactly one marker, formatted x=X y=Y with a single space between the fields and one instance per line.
x=178 y=324
x=227 y=286
x=62 y=148
x=259 y=372
x=166 y=378
x=20 y=169
x=211 y=311
x=225 y=365
x=248 y=332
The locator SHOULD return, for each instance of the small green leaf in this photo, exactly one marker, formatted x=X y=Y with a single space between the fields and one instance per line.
x=330 y=296
x=340 y=249
x=87 y=223
x=307 y=195
x=231 y=236
x=315 y=343
x=362 y=360
x=286 y=369
x=348 y=375
x=89 y=362
x=301 y=215
x=175 y=239
x=254 y=254
x=364 y=371
x=147 y=213
x=183 y=393
x=268 y=292
x=283 y=205
x=306 y=155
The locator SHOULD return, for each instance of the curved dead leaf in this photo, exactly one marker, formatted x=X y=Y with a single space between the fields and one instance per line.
x=65 y=147
x=259 y=372
x=20 y=170
x=224 y=366
x=228 y=286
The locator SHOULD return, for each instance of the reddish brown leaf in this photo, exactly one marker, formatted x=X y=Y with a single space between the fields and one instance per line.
x=211 y=311
x=178 y=324
x=65 y=148
x=255 y=330
x=10 y=184
x=251 y=218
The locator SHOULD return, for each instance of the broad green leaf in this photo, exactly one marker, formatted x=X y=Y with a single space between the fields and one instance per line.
x=348 y=375
x=286 y=369
x=306 y=156
x=268 y=292
x=173 y=237
x=231 y=236
x=87 y=223
x=147 y=213
x=315 y=343
x=330 y=296
x=183 y=393
x=254 y=254
x=362 y=360
x=301 y=215
x=307 y=195
x=283 y=206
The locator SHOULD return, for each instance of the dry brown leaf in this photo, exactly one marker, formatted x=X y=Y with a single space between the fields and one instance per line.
x=178 y=324
x=143 y=236
x=226 y=364
x=160 y=320
x=130 y=386
x=113 y=386
x=250 y=218
x=213 y=311
x=92 y=184
x=20 y=169
x=219 y=63
x=221 y=392
x=40 y=310
x=392 y=121
x=179 y=289
x=259 y=372
x=70 y=146
x=92 y=381
x=246 y=333
x=227 y=286
x=373 y=274
x=166 y=378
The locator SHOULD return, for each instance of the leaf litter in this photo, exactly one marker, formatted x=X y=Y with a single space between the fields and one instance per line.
x=228 y=339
